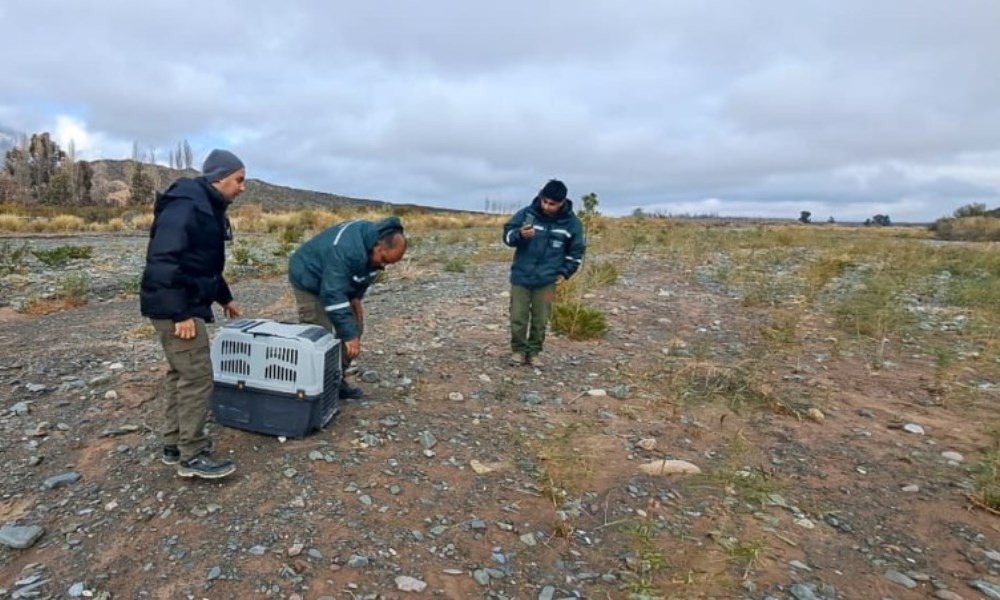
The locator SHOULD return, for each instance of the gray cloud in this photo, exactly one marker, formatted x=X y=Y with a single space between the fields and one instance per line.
x=846 y=109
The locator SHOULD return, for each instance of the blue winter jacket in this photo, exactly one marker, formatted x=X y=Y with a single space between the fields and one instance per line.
x=336 y=266
x=557 y=248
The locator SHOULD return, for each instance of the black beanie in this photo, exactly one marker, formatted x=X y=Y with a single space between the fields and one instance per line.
x=220 y=164
x=554 y=190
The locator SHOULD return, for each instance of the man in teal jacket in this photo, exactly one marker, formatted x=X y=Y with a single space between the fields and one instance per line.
x=331 y=273
x=549 y=247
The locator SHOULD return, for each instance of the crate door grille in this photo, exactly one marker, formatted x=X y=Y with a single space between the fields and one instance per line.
x=233 y=361
x=288 y=355
x=279 y=373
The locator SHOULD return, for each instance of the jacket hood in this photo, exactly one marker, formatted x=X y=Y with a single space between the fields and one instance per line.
x=190 y=189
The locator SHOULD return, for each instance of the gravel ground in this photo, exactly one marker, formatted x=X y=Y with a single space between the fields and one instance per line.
x=461 y=477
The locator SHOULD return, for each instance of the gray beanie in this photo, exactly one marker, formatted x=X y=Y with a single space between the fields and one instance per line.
x=220 y=164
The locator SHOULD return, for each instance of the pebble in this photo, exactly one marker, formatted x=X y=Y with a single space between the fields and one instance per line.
x=406 y=583
x=57 y=481
x=913 y=428
x=456 y=396
x=903 y=580
x=990 y=590
x=947 y=595
x=952 y=456
x=911 y=488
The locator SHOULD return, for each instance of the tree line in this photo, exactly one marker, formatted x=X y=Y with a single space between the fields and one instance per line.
x=37 y=171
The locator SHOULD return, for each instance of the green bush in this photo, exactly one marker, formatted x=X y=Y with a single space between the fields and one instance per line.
x=456 y=265
x=12 y=257
x=578 y=322
x=73 y=287
x=59 y=256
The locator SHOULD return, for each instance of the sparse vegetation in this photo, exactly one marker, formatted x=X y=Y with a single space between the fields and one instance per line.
x=61 y=255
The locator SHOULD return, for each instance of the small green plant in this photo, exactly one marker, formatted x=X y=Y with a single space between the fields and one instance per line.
x=645 y=560
x=578 y=322
x=602 y=273
x=458 y=264
x=289 y=238
x=60 y=255
x=73 y=287
x=12 y=257
x=242 y=256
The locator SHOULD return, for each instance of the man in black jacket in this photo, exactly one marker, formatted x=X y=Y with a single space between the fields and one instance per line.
x=183 y=277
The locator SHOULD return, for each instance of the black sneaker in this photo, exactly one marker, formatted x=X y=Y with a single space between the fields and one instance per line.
x=172 y=454
x=206 y=467
x=350 y=392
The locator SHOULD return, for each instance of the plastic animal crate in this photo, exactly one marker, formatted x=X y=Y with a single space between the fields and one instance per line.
x=275 y=378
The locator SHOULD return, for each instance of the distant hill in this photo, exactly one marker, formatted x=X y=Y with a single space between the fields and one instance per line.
x=274 y=198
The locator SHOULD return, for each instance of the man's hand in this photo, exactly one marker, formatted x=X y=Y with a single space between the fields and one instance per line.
x=527 y=231
x=560 y=279
x=231 y=310
x=185 y=330
x=353 y=348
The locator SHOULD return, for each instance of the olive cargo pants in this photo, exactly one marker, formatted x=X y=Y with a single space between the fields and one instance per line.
x=186 y=392
x=529 y=316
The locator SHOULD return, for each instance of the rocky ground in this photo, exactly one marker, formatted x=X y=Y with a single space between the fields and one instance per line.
x=461 y=477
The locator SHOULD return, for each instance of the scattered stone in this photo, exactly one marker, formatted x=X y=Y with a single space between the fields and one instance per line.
x=947 y=595
x=912 y=488
x=816 y=415
x=481 y=576
x=597 y=393
x=647 y=444
x=20 y=536
x=484 y=378
x=903 y=580
x=57 y=481
x=528 y=539
x=214 y=573
x=481 y=468
x=110 y=395
x=456 y=396
x=35 y=387
x=427 y=440
x=76 y=590
x=803 y=591
x=406 y=583
x=21 y=409
x=669 y=467
x=990 y=590
x=296 y=549
x=620 y=392
x=357 y=561
x=805 y=523
x=531 y=398
x=548 y=593
x=952 y=456
x=913 y=428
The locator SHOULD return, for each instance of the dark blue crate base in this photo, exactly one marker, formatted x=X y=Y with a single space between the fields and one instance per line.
x=271 y=413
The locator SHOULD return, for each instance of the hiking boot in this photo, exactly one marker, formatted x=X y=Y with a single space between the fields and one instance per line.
x=172 y=454
x=350 y=392
x=533 y=361
x=517 y=359
x=205 y=467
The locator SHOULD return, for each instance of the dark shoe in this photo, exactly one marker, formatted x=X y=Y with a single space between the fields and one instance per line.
x=206 y=467
x=172 y=454
x=350 y=392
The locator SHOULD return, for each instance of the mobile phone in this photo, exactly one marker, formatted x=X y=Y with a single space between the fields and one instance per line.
x=529 y=221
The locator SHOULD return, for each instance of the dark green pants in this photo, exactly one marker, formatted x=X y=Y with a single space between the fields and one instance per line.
x=310 y=310
x=529 y=316
x=186 y=392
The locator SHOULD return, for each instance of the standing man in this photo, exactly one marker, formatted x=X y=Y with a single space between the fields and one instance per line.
x=183 y=277
x=331 y=273
x=549 y=246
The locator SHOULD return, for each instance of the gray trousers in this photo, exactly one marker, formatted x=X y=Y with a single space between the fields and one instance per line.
x=529 y=316
x=186 y=392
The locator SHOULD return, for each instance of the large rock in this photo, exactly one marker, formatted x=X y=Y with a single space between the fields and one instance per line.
x=20 y=536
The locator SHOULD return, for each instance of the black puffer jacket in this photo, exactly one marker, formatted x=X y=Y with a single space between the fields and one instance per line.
x=186 y=253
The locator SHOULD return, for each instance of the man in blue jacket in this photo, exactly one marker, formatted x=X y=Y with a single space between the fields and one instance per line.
x=185 y=259
x=549 y=247
x=331 y=273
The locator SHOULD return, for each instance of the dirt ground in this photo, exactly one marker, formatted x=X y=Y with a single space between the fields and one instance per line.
x=789 y=502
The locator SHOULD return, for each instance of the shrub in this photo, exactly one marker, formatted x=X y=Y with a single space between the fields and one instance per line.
x=456 y=265
x=73 y=287
x=12 y=257
x=60 y=255
x=578 y=322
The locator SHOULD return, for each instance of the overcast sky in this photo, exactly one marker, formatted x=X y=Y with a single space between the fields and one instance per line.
x=845 y=108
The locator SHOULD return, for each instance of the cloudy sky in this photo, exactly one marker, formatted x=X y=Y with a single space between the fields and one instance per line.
x=845 y=108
